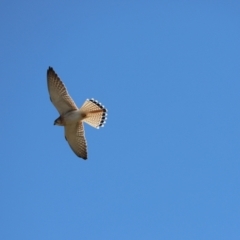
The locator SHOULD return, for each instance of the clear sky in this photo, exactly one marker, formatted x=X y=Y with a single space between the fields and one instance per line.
x=167 y=163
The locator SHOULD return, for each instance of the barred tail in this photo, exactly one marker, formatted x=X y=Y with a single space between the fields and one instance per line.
x=95 y=113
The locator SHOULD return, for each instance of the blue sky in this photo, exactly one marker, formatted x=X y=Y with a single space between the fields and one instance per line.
x=167 y=163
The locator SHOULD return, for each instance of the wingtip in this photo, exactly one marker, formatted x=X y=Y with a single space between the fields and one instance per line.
x=83 y=157
x=50 y=69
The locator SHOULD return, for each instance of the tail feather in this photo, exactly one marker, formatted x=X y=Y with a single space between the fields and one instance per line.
x=96 y=113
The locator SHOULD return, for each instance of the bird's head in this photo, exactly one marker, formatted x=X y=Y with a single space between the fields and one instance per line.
x=58 y=122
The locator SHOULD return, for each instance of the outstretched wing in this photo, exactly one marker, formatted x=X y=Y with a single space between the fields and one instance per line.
x=58 y=93
x=74 y=134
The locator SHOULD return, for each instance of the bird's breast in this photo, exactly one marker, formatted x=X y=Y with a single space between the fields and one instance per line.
x=72 y=117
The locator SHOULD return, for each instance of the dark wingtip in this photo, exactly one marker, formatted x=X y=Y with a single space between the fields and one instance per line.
x=50 y=69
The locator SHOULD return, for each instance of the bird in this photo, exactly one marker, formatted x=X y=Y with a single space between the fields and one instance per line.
x=71 y=117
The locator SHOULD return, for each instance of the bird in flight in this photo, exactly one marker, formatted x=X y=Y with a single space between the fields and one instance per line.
x=72 y=117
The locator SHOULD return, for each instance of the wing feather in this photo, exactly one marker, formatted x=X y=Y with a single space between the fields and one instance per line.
x=58 y=93
x=75 y=136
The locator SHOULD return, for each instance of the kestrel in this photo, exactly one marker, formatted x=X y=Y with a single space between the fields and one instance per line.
x=72 y=117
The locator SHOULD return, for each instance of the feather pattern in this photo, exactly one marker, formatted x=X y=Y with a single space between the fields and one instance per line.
x=96 y=113
x=75 y=136
x=59 y=94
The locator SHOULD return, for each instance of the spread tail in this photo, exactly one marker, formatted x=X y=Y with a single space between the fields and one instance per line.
x=95 y=113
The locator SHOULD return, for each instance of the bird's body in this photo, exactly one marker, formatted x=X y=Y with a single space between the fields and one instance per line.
x=72 y=117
